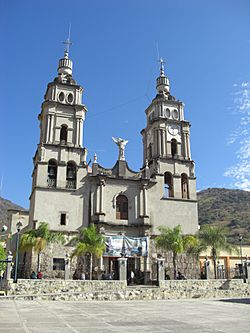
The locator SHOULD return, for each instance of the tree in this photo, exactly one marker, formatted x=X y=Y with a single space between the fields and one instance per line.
x=91 y=242
x=2 y=257
x=216 y=238
x=171 y=240
x=193 y=245
x=38 y=239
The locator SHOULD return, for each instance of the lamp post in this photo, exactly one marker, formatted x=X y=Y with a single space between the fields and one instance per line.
x=66 y=267
x=241 y=259
x=18 y=227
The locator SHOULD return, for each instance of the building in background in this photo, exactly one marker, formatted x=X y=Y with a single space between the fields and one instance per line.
x=228 y=264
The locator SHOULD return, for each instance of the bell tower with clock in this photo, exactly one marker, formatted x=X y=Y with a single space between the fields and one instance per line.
x=166 y=143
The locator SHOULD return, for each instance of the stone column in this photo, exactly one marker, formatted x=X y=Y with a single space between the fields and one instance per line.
x=159 y=142
x=52 y=120
x=80 y=132
x=99 y=199
x=102 y=184
x=156 y=143
x=163 y=143
x=160 y=270
x=122 y=262
x=48 y=128
x=9 y=267
x=77 y=131
x=185 y=145
x=145 y=201
x=168 y=149
x=188 y=147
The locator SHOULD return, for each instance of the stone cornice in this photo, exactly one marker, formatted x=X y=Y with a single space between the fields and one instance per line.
x=51 y=189
x=180 y=199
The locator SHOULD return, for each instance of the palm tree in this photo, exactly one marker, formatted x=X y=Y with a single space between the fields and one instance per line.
x=193 y=246
x=38 y=239
x=91 y=242
x=2 y=257
x=171 y=240
x=214 y=237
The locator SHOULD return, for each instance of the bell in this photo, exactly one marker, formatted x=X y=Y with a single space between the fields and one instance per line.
x=52 y=171
x=71 y=174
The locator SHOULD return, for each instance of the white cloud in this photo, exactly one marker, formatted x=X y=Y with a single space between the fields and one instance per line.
x=241 y=135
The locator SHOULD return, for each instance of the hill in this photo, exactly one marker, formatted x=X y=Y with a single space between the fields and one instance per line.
x=229 y=208
x=4 y=206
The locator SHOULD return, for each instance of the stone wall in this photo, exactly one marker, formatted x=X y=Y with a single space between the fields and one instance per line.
x=187 y=264
x=30 y=287
x=117 y=290
x=205 y=288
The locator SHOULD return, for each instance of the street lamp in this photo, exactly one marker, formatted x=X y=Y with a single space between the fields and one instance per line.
x=66 y=267
x=241 y=260
x=18 y=227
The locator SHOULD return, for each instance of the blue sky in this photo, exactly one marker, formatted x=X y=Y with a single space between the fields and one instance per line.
x=206 y=45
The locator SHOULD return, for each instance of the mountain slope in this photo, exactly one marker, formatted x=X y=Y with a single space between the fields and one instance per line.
x=4 y=206
x=229 y=208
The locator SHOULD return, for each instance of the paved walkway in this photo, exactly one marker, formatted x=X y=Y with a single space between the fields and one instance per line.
x=186 y=316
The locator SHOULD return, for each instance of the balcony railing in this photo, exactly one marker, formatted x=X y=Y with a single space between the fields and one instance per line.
x=71 y=184
x=51 y=182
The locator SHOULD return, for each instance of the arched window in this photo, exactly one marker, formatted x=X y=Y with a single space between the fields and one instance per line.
x=184 y=186
x=71 y=175
x=63 y=134
x=52 y=173
x=168 y=185
x=173 y=147
x=121 y=207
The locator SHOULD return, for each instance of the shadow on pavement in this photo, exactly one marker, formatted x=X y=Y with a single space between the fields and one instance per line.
x=236 y=300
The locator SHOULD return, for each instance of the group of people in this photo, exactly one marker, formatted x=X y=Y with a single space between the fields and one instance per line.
x=39 y=275
x=136 y=277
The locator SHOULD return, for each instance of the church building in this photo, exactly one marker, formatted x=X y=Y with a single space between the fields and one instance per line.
x=126 y=206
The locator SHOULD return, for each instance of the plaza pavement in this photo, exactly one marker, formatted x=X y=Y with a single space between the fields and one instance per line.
x=196 y=315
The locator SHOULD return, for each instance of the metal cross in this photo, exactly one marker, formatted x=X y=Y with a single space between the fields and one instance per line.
x=67 y=42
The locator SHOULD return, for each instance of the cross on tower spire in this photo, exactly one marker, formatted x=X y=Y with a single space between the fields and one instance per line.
x=67 y=42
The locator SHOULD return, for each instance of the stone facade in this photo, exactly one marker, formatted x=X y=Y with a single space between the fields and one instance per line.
x=69 y=195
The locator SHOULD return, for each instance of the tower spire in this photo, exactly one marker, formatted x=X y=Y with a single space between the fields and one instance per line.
x=162 y=82
x=162 y=62
x=65 y=64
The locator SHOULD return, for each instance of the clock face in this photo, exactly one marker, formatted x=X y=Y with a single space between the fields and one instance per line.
x=173 y=129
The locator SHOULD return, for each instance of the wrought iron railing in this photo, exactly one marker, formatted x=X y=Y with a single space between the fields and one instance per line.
x=71 y=184
x=51 y=182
